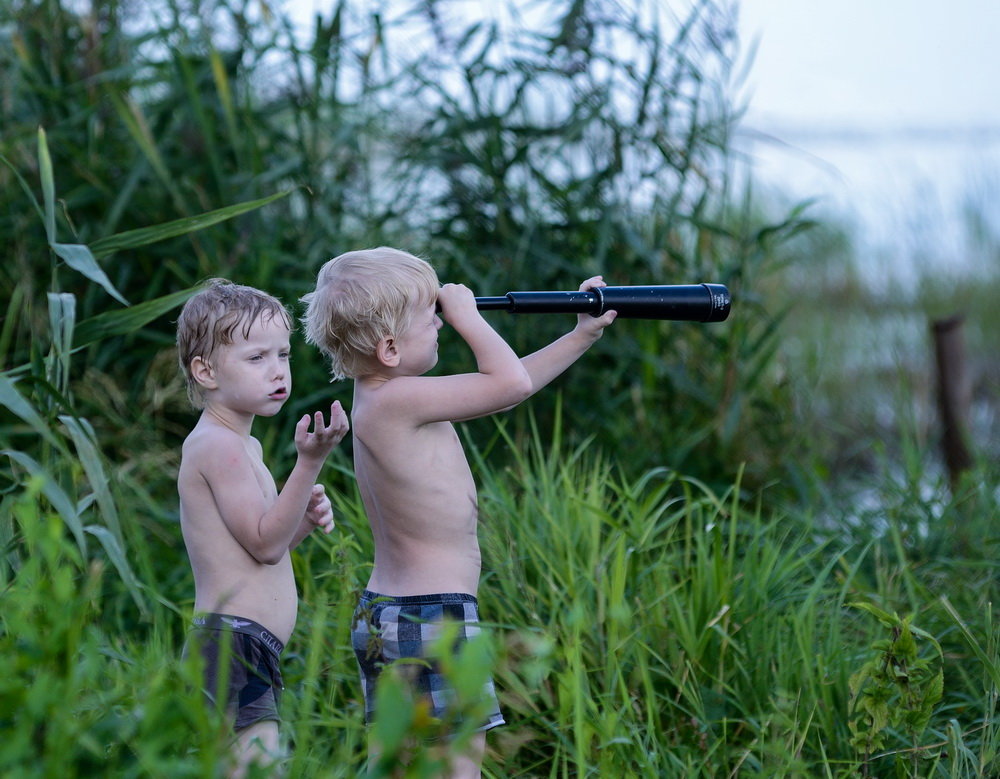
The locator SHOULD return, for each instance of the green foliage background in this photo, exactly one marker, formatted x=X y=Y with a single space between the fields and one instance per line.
x=669 y=548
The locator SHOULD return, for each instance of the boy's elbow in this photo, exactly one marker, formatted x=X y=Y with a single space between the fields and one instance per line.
x=268 y=554
x=523 y=387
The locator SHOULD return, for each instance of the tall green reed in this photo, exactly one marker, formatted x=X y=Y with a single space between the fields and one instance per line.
x=45 y=436
x=651 y=601
x=663 y=626
x=460 y=152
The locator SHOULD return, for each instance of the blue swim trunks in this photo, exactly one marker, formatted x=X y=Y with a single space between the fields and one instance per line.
x=253 y=681
x=387 y=629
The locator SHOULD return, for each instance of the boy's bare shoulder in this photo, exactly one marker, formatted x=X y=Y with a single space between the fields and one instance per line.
x=387 y=402
x=386 y=392
x=209 y=445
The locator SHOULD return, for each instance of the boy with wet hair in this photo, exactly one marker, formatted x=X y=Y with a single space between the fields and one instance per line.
x=233 y=346
x=373 y=314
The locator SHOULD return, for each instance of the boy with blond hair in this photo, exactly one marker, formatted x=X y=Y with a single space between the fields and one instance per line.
x=233 y=346
x=374 y=315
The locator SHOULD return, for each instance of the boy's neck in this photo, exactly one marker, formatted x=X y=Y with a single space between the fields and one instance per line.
x=240 y=424
x=375 y=378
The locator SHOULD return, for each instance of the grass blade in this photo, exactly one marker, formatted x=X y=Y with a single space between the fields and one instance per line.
x=84 y=439
x=79 y=258
x=116 y=553
x=16 y=402
x=189 y=224
x=56 y=495
x=129 y=320
x=48 y=186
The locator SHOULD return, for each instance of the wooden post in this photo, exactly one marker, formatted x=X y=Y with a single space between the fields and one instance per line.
x=954 y=394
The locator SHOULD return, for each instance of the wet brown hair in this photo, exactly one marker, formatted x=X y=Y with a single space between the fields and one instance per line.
x=210 y=318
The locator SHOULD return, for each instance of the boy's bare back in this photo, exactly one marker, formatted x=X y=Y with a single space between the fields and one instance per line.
x=411 y=468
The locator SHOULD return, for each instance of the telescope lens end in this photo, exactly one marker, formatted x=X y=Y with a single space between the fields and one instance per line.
x=721 y=302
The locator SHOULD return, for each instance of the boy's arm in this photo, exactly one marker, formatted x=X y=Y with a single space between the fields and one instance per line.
x=266 y=528
x=550 y=361
x=501 y=380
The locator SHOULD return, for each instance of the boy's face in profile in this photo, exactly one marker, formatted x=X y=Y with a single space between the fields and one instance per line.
x=418 y=344
x=251 y=375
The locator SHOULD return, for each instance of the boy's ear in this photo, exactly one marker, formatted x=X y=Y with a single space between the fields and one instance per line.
x=386 y=352
x=203 y=373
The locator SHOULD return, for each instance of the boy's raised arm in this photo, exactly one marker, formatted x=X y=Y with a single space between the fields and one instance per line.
x=501 y=379
x=550 y=361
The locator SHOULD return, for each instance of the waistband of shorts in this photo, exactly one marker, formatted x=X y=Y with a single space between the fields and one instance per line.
x=213 y=621
x=433 y=599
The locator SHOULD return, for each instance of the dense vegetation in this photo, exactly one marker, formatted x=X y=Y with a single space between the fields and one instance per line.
x=683 y=575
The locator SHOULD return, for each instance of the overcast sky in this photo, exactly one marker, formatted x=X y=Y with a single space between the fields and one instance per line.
x=835 y=92
x=884 y=111
x=874 y=63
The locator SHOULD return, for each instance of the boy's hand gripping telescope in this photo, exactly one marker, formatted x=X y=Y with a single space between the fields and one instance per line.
x=677 y=302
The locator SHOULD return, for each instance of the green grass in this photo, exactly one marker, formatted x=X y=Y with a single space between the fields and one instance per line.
x=649 y=626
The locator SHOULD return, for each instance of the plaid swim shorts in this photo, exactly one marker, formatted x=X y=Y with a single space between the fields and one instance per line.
x=387 y=629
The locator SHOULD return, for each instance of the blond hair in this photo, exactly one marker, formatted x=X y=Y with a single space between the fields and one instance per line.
x=209 y=319
x=362 y=297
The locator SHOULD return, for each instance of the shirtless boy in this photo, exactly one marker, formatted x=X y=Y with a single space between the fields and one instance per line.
x=373 y=314
x=233 y=344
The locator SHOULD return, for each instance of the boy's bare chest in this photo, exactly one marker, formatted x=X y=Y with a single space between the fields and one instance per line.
x=261 y=474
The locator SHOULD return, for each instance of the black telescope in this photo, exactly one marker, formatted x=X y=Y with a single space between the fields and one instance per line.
x=677 y=302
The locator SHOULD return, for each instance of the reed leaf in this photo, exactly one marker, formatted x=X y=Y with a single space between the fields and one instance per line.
x=15 y=402
x=80 y=259
x=76 y=256
x=129 y=320
x=135 y=122
x=55 y=494
x=990 y=660
x=144 y=236
x=224 y=89
x=48 y=187
x=115 y=550
x=84 y=439
x=62 y=320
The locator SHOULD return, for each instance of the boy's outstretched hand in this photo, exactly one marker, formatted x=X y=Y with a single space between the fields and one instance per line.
x=592 y=326
x=320 y=442
x=319 y=512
